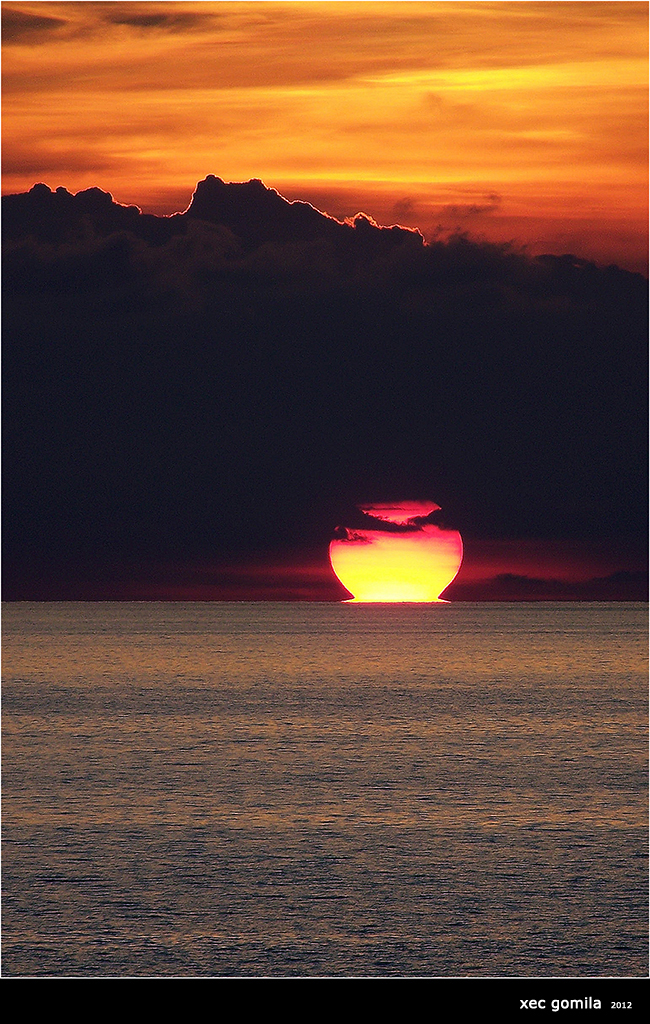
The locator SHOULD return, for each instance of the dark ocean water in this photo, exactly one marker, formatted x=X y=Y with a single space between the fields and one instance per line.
x=322 y=789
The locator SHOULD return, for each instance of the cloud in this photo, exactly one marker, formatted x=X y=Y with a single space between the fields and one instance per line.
x=462 y=212
x=401 y=512
x=404 y=208
x=547 y=109
x=619 y=586
x=87 y=21
x=23 y=27
x=257 y=355
x=159 y=19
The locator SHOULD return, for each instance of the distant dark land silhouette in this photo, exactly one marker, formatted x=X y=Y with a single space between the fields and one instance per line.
x=222 y=387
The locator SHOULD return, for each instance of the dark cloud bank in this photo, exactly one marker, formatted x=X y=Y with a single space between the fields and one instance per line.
x=227 y=383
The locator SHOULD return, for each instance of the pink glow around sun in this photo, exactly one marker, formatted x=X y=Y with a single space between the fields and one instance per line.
x=417 y=564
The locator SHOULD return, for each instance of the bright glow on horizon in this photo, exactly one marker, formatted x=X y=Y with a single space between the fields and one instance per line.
x=382 y=566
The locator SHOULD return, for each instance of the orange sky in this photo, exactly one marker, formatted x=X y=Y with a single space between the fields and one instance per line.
x=523 y=121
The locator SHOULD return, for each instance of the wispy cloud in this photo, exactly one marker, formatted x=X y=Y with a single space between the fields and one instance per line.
x=20 y=26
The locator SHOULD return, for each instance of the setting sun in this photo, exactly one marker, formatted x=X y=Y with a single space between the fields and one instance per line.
x=415 y=563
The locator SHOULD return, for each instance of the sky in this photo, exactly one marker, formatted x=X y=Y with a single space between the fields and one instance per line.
x=523 y=121
x=194 y=403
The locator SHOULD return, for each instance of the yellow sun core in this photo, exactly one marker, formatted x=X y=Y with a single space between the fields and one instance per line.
x=416 y=564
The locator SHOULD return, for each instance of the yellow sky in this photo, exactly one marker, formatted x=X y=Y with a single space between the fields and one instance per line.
x=509 y=120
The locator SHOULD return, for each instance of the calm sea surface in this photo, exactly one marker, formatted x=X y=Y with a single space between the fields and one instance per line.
x=325 y=789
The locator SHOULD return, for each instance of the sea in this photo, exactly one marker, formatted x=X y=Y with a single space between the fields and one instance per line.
x=325 y=790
